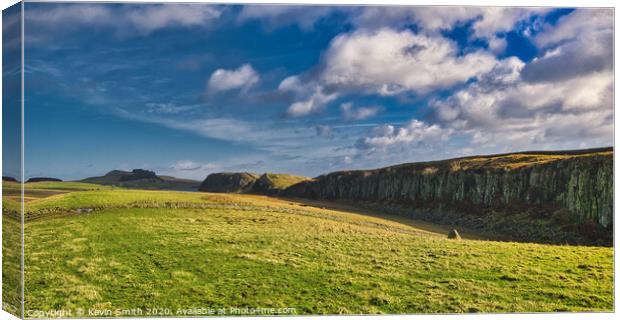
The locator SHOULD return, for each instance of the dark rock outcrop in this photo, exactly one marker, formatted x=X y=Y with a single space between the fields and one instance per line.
x=233 y=182
x=244 y=182
x=143 y=179
x=138 y=174
x=576 y=185
x=264 y=185
x=42 y=179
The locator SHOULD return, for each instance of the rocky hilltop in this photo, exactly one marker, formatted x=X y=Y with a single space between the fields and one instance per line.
x=233 y=182
x=245 y=182
x=143 y=179
x=564 y=196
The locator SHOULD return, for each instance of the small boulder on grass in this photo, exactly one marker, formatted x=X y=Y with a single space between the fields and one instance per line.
x=453 y=234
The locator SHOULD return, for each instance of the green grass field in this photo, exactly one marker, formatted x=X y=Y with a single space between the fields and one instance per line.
x=170 y=250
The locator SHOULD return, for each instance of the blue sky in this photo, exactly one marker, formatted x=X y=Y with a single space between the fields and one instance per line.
x=187 y=90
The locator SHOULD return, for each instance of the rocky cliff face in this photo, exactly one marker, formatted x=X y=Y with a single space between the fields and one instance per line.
x=577 y=184
x=234 y=182
x=243 y=182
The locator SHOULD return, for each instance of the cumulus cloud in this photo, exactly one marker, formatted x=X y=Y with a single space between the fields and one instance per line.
x=487 y=22
x=430 y=19
x=495 y=20
x=580 y=22
x=561 y=99
x=124 y=19
x=510 y=109
x=242 y=78
x=316 y=102
x=350 y=113
x=588 y=54
x=414 y=133
x=404 y=61
x=580 y=43
x=296 y=85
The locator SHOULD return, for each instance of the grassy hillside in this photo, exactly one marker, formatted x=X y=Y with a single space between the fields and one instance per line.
x=150 y=249
x=274 y=183
x=510 y=161
x=283 y=181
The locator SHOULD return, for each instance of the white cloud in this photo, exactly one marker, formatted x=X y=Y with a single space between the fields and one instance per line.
x=65 y=15
x=562 y=99
x=581 y=43
x=123 y=19
x=414 y=133
x=316 y=102
x=242 y=78
x=403 y=62
x=501 y=19
x=349 y=113
x=486 y=21
x=188 y=165
x=154 y=17
x=295 y=85
x=580 y=22
x=170 y=108
x=431 y=19
x=274 y=16
x=502 y=109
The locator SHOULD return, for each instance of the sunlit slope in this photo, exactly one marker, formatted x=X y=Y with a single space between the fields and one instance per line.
x=140 y=249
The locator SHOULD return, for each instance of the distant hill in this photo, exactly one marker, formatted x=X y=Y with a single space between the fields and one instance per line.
x=143 y=179
x=42 y=179
x=246 y=182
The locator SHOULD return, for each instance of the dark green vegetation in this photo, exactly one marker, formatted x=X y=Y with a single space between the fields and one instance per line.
x=245 y=182
x=43 y=179
x=551 y=197
x=143 y=179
